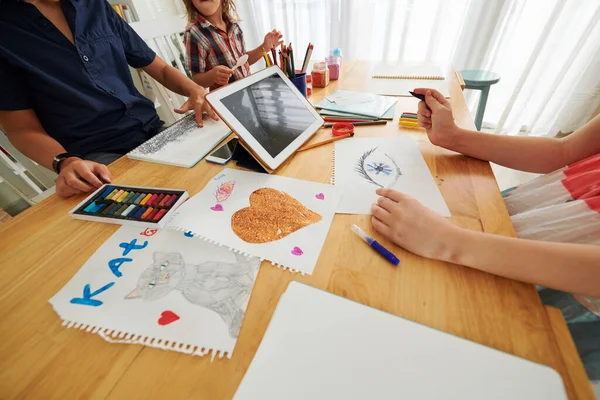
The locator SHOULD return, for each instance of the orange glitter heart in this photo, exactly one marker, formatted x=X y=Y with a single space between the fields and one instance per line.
x=272 y=215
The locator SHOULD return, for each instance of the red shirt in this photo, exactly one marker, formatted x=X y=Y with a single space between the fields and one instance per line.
x=208 y=46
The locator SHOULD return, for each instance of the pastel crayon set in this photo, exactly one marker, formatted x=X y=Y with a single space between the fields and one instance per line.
x=130 y=205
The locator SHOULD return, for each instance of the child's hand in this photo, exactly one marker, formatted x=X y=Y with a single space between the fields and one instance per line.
x=272 y=39
x=407 y=223
x=435 y=115
x=220 y=75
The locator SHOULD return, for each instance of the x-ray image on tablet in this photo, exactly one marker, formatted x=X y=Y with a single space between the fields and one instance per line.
x=271 y=118
x=271 y=112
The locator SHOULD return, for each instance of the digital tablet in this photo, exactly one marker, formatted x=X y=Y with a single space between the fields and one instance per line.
x=270 y=116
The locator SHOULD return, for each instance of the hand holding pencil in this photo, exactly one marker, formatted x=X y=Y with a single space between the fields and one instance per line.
x=435 y=115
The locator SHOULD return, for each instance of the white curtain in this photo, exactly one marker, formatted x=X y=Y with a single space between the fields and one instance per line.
x=546 y=51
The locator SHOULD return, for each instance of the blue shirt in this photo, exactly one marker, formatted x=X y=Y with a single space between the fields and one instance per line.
x=83 y=94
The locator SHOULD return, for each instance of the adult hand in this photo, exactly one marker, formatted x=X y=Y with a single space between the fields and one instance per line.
x=197 y=103
x=435 y=115
x=407 y=223
x=272 y=39
x=80 y=176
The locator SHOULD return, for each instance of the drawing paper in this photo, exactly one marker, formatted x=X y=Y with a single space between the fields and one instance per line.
x=163 y=289
x=362 y=165
x=182 y=144
x=321 y=346
x=280 y=219
x=370 y=105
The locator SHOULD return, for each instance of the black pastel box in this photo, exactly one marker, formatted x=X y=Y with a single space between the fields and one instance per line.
x=130 y=205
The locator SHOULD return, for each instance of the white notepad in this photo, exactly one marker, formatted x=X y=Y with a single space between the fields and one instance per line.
x=182 y=144
x=321 y=346
x=398 y=80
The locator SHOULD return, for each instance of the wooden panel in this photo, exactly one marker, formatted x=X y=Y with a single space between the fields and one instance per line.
x=578 y=386
x=43 y=247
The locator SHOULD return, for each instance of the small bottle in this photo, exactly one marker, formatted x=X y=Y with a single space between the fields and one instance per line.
x=334 y=67
x=337 y=52
x=320 y=75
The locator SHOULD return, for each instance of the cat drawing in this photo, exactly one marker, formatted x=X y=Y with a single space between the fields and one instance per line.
x=222 y=287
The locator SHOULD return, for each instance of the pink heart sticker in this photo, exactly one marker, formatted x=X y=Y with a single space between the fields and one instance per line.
x=320 y=196
x=217 y=207
x=297 y=251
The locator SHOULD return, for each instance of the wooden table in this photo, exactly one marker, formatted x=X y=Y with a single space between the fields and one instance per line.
x=42 y=248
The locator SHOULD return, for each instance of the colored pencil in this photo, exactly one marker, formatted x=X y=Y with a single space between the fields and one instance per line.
x=307 y=55
x=381 y=122
x=293 y=70
x=311 y=146
x=274 y=56
x=328 y=119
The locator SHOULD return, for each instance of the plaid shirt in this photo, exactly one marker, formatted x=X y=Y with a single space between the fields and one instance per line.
x=208 y=46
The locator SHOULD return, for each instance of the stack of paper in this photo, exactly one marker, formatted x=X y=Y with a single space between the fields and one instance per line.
x=364 y=104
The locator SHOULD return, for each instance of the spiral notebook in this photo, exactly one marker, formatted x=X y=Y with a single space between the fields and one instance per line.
x=399 y=79
x=322 y=346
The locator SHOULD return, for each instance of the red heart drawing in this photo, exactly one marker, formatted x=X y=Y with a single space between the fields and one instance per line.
x=217 y=207
x=166 y=317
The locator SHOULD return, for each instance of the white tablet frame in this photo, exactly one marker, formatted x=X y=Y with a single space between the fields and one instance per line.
x=246 y=138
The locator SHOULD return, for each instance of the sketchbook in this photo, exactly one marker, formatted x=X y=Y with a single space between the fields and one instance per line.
x=369 y=105
x=163 y=289
x=363 y=165
x=407 y=71
x=183 y=143
x=322 y=346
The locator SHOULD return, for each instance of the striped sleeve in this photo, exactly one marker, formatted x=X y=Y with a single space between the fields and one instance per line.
x=196 y=55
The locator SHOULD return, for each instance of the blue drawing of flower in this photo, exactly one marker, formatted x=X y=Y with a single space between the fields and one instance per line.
x=379 y=168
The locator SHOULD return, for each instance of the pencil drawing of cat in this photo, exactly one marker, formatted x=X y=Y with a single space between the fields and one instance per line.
x=223 y=287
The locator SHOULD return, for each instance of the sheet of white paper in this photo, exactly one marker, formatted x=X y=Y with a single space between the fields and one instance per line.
x=143 y=284
x=209 y=214
x=321 y=346
x=408 y=71
x=362 y=165
x=356 y=99
x=182 y=144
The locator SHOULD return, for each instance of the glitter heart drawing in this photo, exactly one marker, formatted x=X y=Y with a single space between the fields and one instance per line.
x=272 y=215
x=276 y=218
x=167 y=317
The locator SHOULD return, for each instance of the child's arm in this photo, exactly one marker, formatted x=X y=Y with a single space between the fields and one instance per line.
x=272 y=40
x=217 y=76
x=531 y=154
x=573 y=268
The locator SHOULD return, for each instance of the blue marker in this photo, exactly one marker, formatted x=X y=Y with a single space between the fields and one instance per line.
x=375 y=245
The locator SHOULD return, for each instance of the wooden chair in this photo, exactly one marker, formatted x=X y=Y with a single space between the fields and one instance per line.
x=165 y=37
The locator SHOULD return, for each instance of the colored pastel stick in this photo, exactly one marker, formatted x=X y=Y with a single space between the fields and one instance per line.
x=106 y=192
x=110 y=209
x=117 y=195
x=152 y=199
x=146 y=199
x=90 y=208
x=140 y=198
x=99 y=208
x=171 y=200
x=138 y=212
x=122 y=197
x=111 y=195
x=121 y=210
x=129 y=209
x=147 y=212
x=159 y=214
x=159 y=199
x=152 y=214
x=164 y=201
x=114 y=210
x=128 y=198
